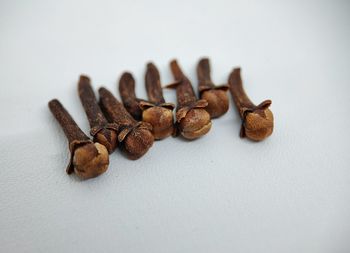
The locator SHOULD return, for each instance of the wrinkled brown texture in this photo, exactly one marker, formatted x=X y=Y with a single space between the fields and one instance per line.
x=192 y=119
x=195 y=124
x=257 y=120
x=157 y=112
x=90 y=160
x=135 y=136
x=184 y=90
x=215 y=95
x=87 y=159
x=161 y=119
x=102 y=131
x=127 y=93
x=153 y=85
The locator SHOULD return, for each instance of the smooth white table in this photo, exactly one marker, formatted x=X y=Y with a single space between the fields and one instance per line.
x=220 y=193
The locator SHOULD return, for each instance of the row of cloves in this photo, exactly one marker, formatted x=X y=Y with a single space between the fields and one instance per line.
x=135 y=123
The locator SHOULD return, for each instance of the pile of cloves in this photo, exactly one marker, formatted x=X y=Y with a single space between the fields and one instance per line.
x=135 y=123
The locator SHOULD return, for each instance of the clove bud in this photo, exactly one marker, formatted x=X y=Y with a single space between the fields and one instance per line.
x=87 y=159
x=192 y=120
x=257 y=120
x=134 y=136
x=215 y=95
x=155 y=111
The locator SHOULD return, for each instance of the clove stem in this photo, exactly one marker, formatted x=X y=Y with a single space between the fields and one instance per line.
x=70 y=128
x=159 y=115
x=215 y=95
x=127 y=93
x=87 y=159
x=184 y=90
x=257 y=120
x=135 y=136
x=203 y=73
x=153 y=86
x=101 y=130
x=240 y=97
x=157 y=112
x=192 y=120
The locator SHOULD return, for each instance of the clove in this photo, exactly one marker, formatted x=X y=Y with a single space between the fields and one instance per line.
x=192 y=119
x=101 y=131
x=257 y=120
x=87 y=159
x=156 y=111
x=127 y=93
x=215 y=95
x=134 y=136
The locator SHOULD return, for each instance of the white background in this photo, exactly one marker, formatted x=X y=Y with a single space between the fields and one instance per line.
x=290 y=193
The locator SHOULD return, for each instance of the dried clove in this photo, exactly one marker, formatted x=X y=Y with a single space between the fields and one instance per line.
x=87 y=159
x=257 y=120
x=127 y=93
x=215 y=95
x=156 y=111
x=134 y=136
x=102 y=131
x=192 y=119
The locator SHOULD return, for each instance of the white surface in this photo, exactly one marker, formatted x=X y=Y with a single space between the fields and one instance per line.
x=289 y=193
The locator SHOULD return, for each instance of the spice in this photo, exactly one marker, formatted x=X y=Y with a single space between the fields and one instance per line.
x=87 y=159
x=157 y=112
x=134 y=136
x=215 y=95
x=192 y=119
x=102 y=131
x=257 y=120
x=127 y=93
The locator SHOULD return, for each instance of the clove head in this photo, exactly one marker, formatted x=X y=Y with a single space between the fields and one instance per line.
x=90 y=160
x=217 y=102
x=161 y=119
x=195 y=124
x=108 y=138
x=258 y=124
x=137 y=142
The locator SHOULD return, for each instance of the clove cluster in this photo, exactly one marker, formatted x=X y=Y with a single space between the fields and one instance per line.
x=133 y=123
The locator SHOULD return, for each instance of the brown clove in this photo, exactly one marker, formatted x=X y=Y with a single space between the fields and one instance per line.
x=215 y=95
x=156 y=111
x=87 y=159
x=134 y=136
x=257 y=120
x=127 y=93
x=192 y=119
x=101 y=131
